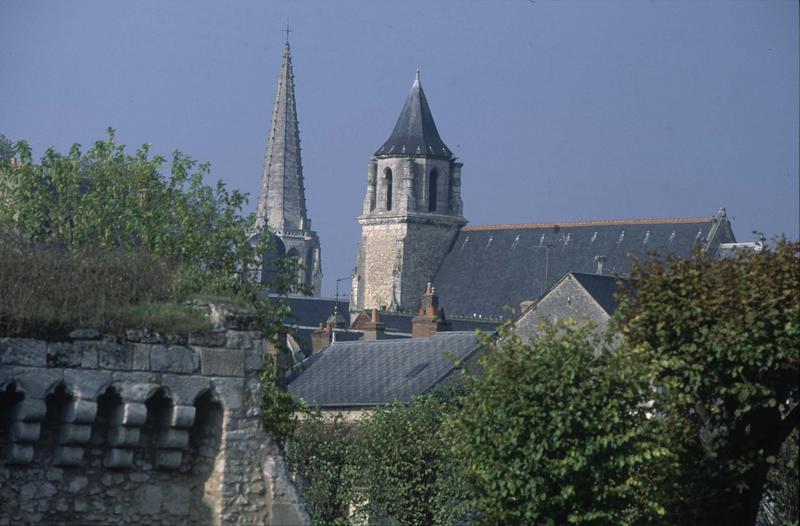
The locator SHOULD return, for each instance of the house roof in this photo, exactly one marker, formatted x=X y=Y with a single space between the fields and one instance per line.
x=600 y=287
x=400 y=322
x=371 y=373
x=415 y=132
x=507 y=264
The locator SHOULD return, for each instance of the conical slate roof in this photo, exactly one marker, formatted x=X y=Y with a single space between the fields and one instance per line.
x=282 y=199
x=415 y=132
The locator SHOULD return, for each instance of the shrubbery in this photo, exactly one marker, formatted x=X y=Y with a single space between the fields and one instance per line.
x=686 y=419
x=86 y=236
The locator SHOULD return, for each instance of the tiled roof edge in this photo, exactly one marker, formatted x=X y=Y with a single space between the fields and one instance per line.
x=607 y=222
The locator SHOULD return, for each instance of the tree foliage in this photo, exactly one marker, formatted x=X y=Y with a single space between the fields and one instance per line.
x=555 y=433
x=403 y=461
x=104 y=198
x=721 y=341
x=321 y=454
x=780 y=505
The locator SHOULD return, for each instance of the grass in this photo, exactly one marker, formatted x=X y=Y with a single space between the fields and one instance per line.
x=48 y=291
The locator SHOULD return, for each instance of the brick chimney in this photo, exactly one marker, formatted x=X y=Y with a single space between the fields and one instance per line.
x=374 y=329
x=431 y=317
x=321 y=337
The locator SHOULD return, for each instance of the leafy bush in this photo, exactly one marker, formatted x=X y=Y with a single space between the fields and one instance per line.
x=84 y=236
x=321 y=454
x=720 y=338
x=403 y=462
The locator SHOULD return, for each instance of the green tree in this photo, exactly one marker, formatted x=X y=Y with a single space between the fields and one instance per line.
x=780 y=506
x=555 y=432
x=7 y=150
x=721 y=339
x=106 y=198
x=320 y=454
x=403 y=462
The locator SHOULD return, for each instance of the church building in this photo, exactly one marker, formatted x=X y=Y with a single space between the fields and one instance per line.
x=413 y=232
x=282 y=197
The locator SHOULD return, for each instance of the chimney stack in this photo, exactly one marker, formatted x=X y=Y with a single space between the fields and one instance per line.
x=431 y=318
x=369 y=323
x=321 y=337
x=374 y=329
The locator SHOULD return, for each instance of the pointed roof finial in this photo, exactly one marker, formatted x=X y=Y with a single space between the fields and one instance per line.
x=287 y=31
x=417 y=79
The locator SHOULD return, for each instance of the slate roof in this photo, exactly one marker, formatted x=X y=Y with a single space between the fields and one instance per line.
x=415 y=132
x=600 y=287
x=310 y=312
x=399 y=322
x=507 y=264
x=366 y=374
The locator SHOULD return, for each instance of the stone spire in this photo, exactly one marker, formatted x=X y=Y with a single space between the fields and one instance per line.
x=282 y=200
x=415 y=132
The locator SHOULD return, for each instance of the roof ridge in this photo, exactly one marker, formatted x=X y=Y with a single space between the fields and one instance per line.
x=600 y=222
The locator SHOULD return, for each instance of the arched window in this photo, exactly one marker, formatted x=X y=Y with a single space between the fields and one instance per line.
x=387 y=182
x=433 y=181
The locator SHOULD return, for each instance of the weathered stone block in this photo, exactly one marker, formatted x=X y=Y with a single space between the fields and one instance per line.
x=185 y=389
x=222 y=362
x=19 y=453
x=135 y=386
x=68 y=456
x=29 y=410
x=124 y=436
x=64 y=354
x=23 y=351
x=141 y=356
x=254 y=358
x=177 y=500
x=181 y=416
x=130 y=414
x=168 y=459
x=148 y=500
x=74 y=434
x=173 y=438
x=114 y=356
x=86 y=384
x=241 y=339
x=89 y=360
x=79 y=412
x=35 y=382
x=77 y=484
x=85 y=334
x=25 y=431
x=173 y=359
x=118 y=458
x=230 y=391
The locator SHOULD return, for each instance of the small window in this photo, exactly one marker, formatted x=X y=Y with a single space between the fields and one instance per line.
x=433 y=182
x=387 y=181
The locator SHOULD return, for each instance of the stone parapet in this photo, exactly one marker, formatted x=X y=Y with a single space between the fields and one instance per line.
x=142 y=429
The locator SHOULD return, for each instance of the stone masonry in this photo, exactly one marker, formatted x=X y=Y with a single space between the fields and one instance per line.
x=140 y=430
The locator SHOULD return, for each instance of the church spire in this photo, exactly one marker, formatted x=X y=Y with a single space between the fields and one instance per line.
x=282 y=200
x=415 y=132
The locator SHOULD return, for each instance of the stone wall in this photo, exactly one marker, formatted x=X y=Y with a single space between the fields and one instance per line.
x=140 y=430
x=566 y=300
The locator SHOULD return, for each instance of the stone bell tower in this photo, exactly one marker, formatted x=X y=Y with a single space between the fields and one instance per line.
x=412 y=211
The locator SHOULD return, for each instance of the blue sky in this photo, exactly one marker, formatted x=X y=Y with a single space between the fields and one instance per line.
x=560 y=111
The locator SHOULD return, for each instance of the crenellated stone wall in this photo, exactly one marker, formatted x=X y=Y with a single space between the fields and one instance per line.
x=142 y=430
